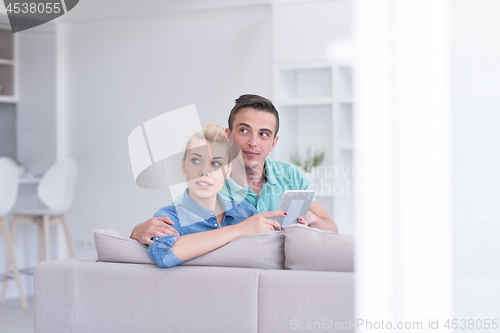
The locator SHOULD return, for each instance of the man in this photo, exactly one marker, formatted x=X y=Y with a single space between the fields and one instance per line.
x=253 y=126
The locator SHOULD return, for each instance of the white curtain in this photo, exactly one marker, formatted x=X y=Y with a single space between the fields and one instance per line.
x=403 y=220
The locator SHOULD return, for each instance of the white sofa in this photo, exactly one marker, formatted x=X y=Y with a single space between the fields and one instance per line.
x=296 y=279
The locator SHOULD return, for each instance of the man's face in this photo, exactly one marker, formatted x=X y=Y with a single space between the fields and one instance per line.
x=253 y=131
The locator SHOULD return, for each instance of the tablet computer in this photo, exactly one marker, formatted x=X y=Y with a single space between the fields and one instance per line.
x=295 y=204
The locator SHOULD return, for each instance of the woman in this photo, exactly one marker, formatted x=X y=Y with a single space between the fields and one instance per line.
x=204 y=220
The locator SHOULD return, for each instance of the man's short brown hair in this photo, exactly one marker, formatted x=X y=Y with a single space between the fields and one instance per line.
x=256 y=102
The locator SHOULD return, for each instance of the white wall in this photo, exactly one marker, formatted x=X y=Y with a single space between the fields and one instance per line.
x=121 y=72
x=304 y=29
x=36 y=108
x=475 y=52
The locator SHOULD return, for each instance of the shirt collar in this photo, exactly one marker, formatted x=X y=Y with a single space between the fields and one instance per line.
x=268 y=169
x=233 y=185
x=189 y=204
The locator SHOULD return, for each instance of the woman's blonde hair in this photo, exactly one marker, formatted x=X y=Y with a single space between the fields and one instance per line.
x=211 y=133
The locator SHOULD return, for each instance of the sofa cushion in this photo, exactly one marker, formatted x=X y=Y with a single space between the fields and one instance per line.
x=317 y=250
x=112 y=246
x=264 y=251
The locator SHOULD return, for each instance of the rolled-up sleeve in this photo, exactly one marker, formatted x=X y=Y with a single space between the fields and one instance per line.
x=161 y=251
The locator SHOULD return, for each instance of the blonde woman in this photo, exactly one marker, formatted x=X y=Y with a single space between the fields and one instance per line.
x=203 y=219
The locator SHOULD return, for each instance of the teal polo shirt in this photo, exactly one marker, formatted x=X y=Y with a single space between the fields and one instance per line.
x=280 y=177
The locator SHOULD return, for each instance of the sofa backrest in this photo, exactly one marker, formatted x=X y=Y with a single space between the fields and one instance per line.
x=297 y=247
x=264 y=251
x=312 y=249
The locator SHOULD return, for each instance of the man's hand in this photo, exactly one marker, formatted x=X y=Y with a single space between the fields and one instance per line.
x=154 y=227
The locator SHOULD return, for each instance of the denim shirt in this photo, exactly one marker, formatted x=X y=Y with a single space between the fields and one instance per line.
x=190 y=217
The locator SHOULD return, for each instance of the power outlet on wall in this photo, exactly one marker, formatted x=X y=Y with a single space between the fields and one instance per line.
x=85 y=244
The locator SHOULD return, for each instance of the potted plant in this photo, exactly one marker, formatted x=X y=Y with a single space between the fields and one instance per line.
x=307 y=163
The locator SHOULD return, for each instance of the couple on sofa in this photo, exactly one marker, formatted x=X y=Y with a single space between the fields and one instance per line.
x=207 y=216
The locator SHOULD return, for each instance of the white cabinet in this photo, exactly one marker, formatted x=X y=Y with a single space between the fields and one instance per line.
x=315 y=102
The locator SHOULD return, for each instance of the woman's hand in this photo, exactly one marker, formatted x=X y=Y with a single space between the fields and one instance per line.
x=260 y=223
x=318 y=218
x=310 y=218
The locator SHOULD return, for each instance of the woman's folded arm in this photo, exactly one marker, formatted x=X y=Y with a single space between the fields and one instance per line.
x=172 y=250
x=194 y=245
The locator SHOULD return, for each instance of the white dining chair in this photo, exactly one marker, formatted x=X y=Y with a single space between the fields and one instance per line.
x=8 y=194
x=56 y=190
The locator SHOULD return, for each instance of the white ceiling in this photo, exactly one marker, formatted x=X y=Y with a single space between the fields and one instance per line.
x=87 y=10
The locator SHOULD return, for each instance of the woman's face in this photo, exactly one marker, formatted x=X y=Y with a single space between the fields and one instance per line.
x=206 y=167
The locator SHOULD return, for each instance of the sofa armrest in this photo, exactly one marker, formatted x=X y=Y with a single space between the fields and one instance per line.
x=54 y=295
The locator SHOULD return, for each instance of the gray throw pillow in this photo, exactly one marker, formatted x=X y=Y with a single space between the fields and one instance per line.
x=317 y=250
x=112 y=246
x=264 y=251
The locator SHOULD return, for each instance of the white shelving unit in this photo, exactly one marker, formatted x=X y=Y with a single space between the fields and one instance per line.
x=8 y=90
x=315 y=102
